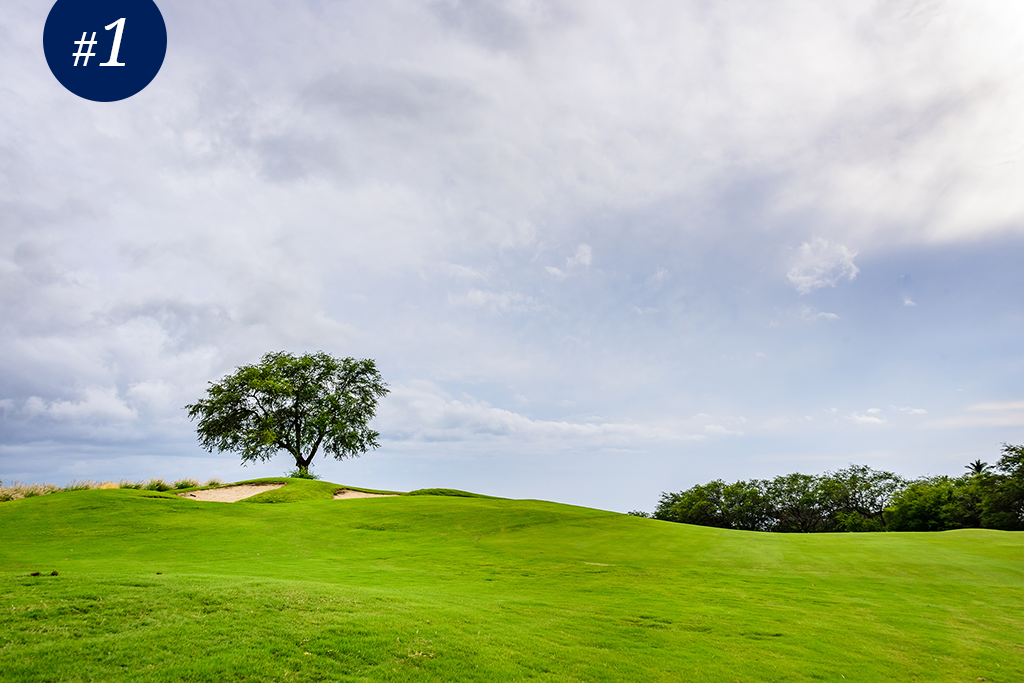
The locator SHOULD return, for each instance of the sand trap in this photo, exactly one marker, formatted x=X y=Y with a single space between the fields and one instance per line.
x=349 y=493
x=229 y=494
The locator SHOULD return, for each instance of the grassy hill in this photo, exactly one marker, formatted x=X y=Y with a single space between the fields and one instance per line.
x=151 y=586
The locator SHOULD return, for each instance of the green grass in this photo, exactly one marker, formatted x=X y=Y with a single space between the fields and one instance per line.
x=152 y=586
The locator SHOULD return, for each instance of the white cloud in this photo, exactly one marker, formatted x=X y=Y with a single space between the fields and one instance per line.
x=720 y=430
x=101 y=403
x=988 y=414
x=420 y=411
x=910 y=410
x=582 y=257
x=657 y=280
x=821 y=263
x=454 y=270
x=866 y=419
x=808 y=313
x=499 y=302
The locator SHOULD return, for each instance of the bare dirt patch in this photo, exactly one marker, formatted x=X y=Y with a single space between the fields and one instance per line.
x=229 y=494
x=345 y=494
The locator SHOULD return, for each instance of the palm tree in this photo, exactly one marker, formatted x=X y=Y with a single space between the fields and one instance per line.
x=977 y=467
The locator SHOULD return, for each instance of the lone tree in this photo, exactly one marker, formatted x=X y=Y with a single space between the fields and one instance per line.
x=299 y=404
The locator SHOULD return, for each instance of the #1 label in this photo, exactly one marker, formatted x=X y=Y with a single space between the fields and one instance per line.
x=105 y=50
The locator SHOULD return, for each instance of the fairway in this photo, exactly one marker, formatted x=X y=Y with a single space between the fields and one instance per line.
x=151 y=586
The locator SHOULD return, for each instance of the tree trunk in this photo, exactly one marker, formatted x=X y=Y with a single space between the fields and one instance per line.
x=303 y=464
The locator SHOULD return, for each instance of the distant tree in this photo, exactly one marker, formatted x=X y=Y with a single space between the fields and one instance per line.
x=1004 y=504
x=740 y=505
x=701 y=504
x=299 y=404
x=1011 y=462
x=745 y=506
x=798 y=504
x=855 y=498
x=937 y=504
x=859 y=498
x=977 y=467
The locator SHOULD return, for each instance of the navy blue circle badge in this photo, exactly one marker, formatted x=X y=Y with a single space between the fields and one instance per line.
x=105 y=50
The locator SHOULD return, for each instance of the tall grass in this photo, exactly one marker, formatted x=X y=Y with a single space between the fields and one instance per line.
x=17 y=490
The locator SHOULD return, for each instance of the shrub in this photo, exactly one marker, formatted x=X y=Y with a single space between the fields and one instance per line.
x=299 y=474
x=75 y=485
x=213 y=481
x=186 y=484
x=126 y=484
x=156 y=484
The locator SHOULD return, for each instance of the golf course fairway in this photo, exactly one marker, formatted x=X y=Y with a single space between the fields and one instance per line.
x=291 y=585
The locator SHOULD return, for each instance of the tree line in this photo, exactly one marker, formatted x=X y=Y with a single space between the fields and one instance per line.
x=858 y=498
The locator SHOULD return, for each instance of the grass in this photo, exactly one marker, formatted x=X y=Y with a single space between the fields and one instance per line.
x=152 y=586
x=17 y=491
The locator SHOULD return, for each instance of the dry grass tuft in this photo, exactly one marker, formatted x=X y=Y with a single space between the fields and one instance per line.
x=16 y=490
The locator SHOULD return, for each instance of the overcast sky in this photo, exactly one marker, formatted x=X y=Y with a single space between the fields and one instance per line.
x=599 y=249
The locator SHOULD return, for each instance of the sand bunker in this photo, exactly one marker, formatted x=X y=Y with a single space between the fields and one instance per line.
x=349 y=493
x=229 y=494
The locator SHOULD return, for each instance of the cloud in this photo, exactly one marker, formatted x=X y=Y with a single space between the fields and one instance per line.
x=720 y=430
x=456 y=271
x=582 y=257
x=420 y=411
x=499 y=302
x=911 y=411
x=97 y=403
x=821 y=263
x=987 y=414
x=657 y=280
x=871 y=418
x=808 y=313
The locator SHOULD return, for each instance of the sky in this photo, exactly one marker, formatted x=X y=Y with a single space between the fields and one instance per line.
x=598 y=249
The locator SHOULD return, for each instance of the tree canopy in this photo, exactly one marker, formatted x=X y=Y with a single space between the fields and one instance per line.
x=299 y=404
x=859 y=498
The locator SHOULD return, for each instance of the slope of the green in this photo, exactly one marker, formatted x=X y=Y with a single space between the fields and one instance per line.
x=156 y=587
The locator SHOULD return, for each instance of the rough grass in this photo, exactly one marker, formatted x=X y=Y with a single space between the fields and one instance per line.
x=446 y=492
x=152 y=586
x=16 y=491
